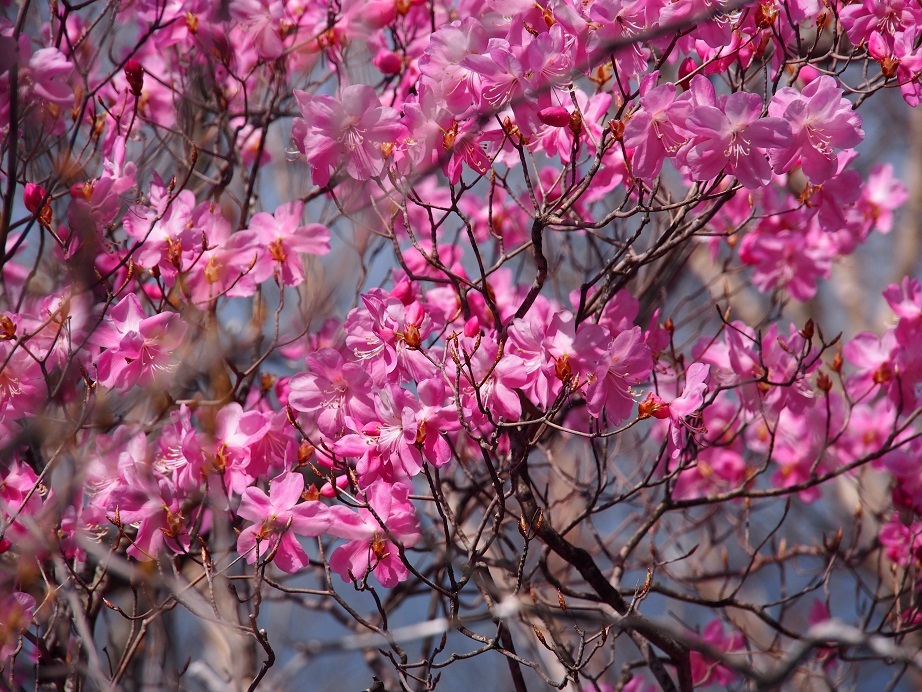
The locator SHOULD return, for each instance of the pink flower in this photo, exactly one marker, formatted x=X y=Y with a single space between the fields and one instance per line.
x=390 y=516
x=445 y=64
x=235 y=431
x=148 y=500
x=278 y=518
x=821 y=121
x=286 y=239
x=706 y=671
x=680 y=408
x=732 y=138
x=881 y=195
x=138 y=349
x=332 y=392
x=16 y=612
x=785 y=259
x=626 y=362
x=44 y=65
x=654 y=131
x=357 y=130
x=388 y=336
x=262 y=20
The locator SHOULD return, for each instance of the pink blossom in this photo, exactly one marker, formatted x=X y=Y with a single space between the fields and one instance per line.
x=286 y=238
x=654 y=131
x=444 y=64
x=881 y=195
x=44 y=66
x=16 y=612
x=821 y=121
x=902 y=541
x=733 y=138
x=625 y=363
x=235 y=432
x=149 y=501
x=371 y=532
x=279 y=517
x=357 y=130
x=783 y=259
x=706 y=671
x=388 y=336
x=334 y=393
x=138 y=349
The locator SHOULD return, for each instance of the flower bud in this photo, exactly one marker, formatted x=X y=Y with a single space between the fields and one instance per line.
x=33 y=196
x=555 y=116
x=388 y=62
x=134 y=73
x=472 y=327
x=415 y=314
x=807 y=74
x=403 y=291
x=329 y=491
x=686 y=69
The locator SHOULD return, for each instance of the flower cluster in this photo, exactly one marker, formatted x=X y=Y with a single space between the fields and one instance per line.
x=517 y=185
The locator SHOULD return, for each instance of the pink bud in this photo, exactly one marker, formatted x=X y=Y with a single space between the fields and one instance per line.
x=372 y=429
x=415 y=314
x=388 y=62
x=328 y=491
x=807 y=74
x=134 y=73
x=686 y=68
x=403 y=292
x=472 y=327
x=555 y=116
x=33 y=196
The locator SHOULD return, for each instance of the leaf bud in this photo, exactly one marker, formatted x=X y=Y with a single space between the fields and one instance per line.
x=617 y=129
x=576 y=123
x=823 y=381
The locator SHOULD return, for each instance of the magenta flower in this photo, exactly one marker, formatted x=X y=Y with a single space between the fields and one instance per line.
x=44 y=65
x=733 y=138
x=372 y=549
x=785 y=259
x=235 y=432
x=278 y=518
x=286 y=239
x=881 y=196
x=147 y=500
x=332 y=392
x=445 y=64
x=625 y=363
x=388 y=336
x=821 y=122
x=357 y=130
x=708 y=672
x=138 y=349
x=680 y=408
x=16 y=612
x=654 y=131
